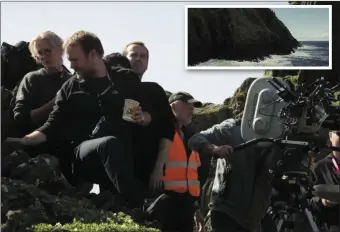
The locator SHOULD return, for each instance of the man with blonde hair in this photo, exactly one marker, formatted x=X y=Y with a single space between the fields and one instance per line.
x=88 y=113
x=37 y=90
x=36 y=95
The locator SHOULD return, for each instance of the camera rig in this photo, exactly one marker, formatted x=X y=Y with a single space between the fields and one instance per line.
x=274 y=108
x=297 y=119
x=294 y=189
x=300 y=117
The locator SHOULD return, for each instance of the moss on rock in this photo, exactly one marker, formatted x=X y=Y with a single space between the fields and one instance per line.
x=26 y=206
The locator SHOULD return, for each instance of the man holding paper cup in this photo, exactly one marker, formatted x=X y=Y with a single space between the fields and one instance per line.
x=98 y=110
x=154 y=141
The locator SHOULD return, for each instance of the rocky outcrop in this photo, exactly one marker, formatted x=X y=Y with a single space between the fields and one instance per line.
x=35 y=196
x=236 y=34
x=211 y=114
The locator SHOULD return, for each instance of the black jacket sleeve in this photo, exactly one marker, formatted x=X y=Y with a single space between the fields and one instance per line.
x=315 y=202
x=129 y=82
x=58 y=116
x=24 y=100
x=163 y=118
x=151 y=97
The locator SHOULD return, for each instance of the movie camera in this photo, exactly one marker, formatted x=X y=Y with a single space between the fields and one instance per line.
x=297 y=120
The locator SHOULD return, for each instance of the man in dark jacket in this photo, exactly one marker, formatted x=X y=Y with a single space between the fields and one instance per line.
x=93 y=96
x=327 y=171
x=155 y=140
x=36 y=93
x=241 y=194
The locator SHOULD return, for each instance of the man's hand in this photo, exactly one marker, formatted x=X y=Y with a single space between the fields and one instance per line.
x=222 y=151
x=140 y=117
x=328 y=203
x=32 y=139
x=199 y=221
x=16 y=141
x=13 y=143
x=156 y=177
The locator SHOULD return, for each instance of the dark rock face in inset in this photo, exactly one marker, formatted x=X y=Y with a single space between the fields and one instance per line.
x=250 y=34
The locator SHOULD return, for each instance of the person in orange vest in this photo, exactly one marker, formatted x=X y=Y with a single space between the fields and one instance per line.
x=178 y=209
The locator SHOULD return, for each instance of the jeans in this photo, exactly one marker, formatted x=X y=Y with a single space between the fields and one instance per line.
x=109 y=162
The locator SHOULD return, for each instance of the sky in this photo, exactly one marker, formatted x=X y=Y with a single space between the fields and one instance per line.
x=306 y=24
x=159 y=25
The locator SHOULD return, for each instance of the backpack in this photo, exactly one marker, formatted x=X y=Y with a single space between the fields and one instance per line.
x=16 y=62
x=6 y=112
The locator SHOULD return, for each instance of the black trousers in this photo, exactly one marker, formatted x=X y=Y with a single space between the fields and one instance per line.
x=110 y=163
x=145 y=149
x=174 y=212
x=221 y=222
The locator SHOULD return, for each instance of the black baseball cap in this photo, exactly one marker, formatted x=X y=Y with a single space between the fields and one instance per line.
x=337 y=132
x=184 y=97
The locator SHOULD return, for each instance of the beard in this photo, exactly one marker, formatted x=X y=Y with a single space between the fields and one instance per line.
x=85 y=73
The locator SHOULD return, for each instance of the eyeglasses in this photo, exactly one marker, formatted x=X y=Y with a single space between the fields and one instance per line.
x=46 y=52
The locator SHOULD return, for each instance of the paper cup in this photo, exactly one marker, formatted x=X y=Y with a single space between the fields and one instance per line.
x=129 y=105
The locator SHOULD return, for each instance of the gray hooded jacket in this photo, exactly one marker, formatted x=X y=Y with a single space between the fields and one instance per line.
x=244 y=192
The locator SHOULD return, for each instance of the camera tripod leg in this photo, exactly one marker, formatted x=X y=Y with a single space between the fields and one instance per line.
x=279 y=225
x=310 y=220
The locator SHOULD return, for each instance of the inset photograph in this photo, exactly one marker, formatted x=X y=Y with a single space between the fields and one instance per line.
x=258 y=37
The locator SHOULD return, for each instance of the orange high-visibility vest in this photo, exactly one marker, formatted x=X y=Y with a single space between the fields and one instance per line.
x=180 y=170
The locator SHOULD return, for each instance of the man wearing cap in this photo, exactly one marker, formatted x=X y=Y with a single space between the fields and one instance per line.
x=177 y=209
x=327 y=171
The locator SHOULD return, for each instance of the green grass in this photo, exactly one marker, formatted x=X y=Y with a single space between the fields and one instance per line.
x=293 y=79
x=122 y=223
x=337 y=94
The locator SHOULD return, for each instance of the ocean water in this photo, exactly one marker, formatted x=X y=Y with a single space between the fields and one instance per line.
x=311 y=53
